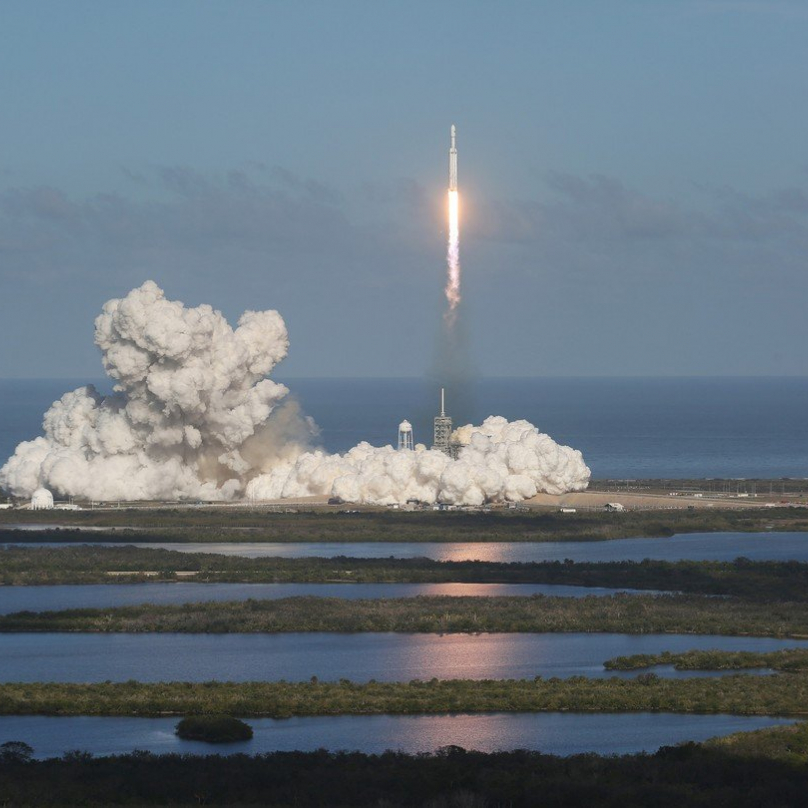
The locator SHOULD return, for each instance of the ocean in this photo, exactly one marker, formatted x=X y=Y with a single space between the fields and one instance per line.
x=627 y=428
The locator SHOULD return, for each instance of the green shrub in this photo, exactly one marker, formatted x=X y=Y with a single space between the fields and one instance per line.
x=214 y=729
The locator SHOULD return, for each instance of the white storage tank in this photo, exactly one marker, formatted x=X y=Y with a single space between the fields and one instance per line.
x=41 y=500
x=405 y=440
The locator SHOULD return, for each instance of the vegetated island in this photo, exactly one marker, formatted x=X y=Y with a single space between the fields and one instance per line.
x=756 y=580
x=784 y=694
x=213 y=729
x=745 y=770
x=632 y=614
x=787 y=659
x=244 y=524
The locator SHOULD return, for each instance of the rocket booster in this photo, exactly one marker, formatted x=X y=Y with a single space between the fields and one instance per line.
x=452 y=159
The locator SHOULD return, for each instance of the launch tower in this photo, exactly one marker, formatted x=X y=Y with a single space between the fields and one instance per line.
x=443 y=430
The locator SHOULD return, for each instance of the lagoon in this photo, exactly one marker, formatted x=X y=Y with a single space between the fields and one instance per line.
x=389 y=657
x=554 y=733
x=102 y=596
x=788 y=546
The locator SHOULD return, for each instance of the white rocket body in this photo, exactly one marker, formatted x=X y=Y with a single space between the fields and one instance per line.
x=453 y=160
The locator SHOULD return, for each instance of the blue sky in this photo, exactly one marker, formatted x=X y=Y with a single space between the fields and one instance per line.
x=633 y=175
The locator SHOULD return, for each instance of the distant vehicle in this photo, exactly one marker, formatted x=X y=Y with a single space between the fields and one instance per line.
x=569 y=510
x=614 y=506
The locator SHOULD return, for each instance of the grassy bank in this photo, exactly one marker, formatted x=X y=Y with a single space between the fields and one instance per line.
x=237 y=524
x=743 y=771
x=633 y=614
x=790 y=659
x=757 y=580
x=779 y=694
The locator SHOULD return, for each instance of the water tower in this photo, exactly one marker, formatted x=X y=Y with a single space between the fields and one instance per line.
x=405 y=436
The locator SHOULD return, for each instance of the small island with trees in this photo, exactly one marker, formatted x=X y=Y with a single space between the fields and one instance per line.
x=213 y=729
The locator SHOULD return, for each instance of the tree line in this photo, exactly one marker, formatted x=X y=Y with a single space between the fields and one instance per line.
x=83 y=564
x=621 y=613
x=778 y=694
x=245 y=524
x=787 y=659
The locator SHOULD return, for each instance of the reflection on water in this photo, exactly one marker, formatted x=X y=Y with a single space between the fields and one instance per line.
x=101 y=596
x=555 y=733
x=692 y=546
x=359 y=657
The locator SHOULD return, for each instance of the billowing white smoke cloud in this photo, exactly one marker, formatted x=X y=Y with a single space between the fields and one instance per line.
x=499 y=461
x=193 y=416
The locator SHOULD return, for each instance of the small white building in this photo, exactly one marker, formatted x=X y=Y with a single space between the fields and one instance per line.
x=614 y=506
x=41 y=500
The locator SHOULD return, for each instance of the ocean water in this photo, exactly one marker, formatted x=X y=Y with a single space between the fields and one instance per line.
x=626 y=428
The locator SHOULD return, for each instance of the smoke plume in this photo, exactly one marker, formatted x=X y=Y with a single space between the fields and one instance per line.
x=191 y=416
x=194 y=416
x=499 y=461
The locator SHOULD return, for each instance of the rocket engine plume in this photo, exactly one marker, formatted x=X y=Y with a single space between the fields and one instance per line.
x=453 y=245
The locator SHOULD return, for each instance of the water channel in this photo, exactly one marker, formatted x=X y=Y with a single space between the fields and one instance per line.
x=77 y=657
x=692 y=546
x=103 y=596
x=555 y=733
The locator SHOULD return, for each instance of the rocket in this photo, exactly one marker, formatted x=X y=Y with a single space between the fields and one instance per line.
x=452 y=159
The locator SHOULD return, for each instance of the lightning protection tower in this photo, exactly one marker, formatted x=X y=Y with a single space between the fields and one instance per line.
x=405 y=436
x=443 y=429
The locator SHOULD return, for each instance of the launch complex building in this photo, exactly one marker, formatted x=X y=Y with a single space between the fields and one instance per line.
x=442 y=435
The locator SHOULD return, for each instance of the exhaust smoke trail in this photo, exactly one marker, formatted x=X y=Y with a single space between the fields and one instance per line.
x=453 y=261
x=453 y=246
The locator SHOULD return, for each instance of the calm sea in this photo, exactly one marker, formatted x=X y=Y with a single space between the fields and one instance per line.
x=626 y=428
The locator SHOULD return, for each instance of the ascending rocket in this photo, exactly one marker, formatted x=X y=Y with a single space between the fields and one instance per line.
x=453 y=160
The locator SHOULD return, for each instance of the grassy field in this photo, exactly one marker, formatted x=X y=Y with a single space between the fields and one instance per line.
x=779 y=694
x=632 y=614
x=243 y=524
x=753 y=580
